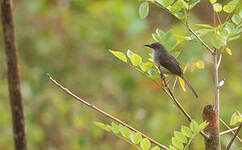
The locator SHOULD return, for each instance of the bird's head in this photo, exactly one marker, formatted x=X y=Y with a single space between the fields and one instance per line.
x=155 y=46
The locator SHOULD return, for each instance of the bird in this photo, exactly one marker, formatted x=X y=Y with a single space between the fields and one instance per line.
x=167 y=63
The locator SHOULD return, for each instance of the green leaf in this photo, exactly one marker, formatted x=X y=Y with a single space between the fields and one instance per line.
x=165 y=3
x=136 y=137
x=193 y=3
x=145 y=144
x=186 y=131
x=160 y=32
x=115 y=128
x=229 y=8
x=202 y=32
x=119 y=55
x=213 y=1
x=203 y=125
x=153 y=73
x=180 y=15
x=169 y=41
x=144 y=10
x=229 y=27
x=177 y=143
x=180 y=137
x=136 y=59
x=236 y=19
x=102 y=126
x=216 y=41
x=217 y=7
x=194 y=127
x=172 y=147
x=234 y=38
x=236 y=118
x=156 y=37
x=155 y=148
x=238 y=31
x=171 y=45
x=146 y=66
x=205 y=25
x=125 y=132
x=178 y=5
x=168 y=35
x=129 y=53
x=240 y=13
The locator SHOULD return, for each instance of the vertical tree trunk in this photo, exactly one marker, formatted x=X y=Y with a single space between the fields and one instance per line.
x=210 y=114
x=13 y=76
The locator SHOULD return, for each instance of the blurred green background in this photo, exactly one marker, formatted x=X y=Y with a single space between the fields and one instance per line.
x=70 y=40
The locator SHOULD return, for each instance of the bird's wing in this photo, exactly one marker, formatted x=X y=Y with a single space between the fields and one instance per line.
x=172 y=64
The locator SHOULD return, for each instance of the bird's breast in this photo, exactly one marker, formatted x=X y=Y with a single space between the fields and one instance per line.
x=157 y=58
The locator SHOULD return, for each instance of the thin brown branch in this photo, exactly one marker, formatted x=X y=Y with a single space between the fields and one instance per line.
x=227 y=126
x=67 y=91
x=173 y=99
x=14 y=87
x=203 y=43
x=176 y=102
x=228 y=131
x=236 y=133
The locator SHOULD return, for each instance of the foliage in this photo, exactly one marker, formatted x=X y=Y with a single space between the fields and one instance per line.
x=134 y=138
x=236 y=118
x=180 y=140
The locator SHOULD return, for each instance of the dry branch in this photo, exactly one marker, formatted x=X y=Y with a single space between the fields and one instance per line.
x=104 y=113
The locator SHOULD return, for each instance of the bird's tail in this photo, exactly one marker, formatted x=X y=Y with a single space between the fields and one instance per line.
x=189 y=85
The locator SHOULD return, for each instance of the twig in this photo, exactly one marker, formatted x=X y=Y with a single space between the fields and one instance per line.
x=219 y=20
x=219 y=61
x=227 y=131
x=204 y=44
x=236 y=133
x=174 y=84
x=171 y=95
x=227 y=126
x=216 y=82
x=104 y=113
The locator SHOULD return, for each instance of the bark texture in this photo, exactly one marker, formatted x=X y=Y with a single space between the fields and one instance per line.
x=11 y=51
x=210 y=114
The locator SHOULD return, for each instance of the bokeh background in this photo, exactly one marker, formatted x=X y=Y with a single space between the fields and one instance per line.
x=70 y=40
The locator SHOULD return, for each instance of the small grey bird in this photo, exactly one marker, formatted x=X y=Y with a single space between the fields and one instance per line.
x=168 y=63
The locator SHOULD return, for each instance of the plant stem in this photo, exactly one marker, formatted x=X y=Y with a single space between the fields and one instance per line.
x=216 y=81
x=189 y=142
x=204 y=44
x=227 y=126
x=228 y=131
x=236 y=133
x=176 y=102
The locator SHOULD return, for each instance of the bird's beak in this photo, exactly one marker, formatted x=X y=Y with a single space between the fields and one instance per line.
x=147 y=45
